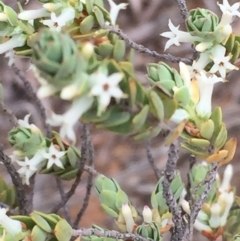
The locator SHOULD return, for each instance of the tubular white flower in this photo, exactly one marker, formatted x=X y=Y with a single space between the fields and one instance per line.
x=114 y=10
x=105 y=87
x=147 y=214
x=201 y=226
x=205 y=84
x=214 y=220
x=185 y=74
x=56 y=23
x=11 y=226
x=33 y=14
x=53 y=156
x=179 y=115
x=176 y=36
x=227 y=176
x=185 y=206
x=203 y=46
x=227 y=8
x=229 y=199
x=15 y=41
x=127 y=214
x=221 y=62
x=71 y=117
x=224 y=28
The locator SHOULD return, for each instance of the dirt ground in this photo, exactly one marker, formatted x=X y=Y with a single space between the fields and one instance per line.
x=118 y=156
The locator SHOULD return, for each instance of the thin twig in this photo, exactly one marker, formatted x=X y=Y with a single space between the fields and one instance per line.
x=17 y=182
x=35 y=99
x=108 y=234
x=169 y=174
x=62 y=193
x=142 y=49
x=210 y=178
x=68 y=195
x=91 y=170
x=188 y=233
x=183 y=8
x=151 y=160
x=88 y=187
x=10 y=115
x=30 y=91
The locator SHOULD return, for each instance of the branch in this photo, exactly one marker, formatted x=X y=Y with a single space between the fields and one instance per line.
x=108 y=234
x=17 y=182
x=183 y=8
x=88 y=187
x=33 y=96
x=142 y=49
x=62 y=193
x=10 y=114
x=68 y=195
x=169 y=174
x=91 y=170
x=209 y=180
x=151 y=160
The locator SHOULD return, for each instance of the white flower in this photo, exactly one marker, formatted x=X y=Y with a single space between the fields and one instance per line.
x=29 y=167
x=15 y=41
x=127 y=215
x=106 y=87
x=53 y=156
x=11 y=57
x=71 y=117
x=215 y=220
x=205 y=84
x=176 y=36
x=11 y=226
x=33 y=14
x=179 y=115
x=114 y=10
x=227 y=176
x=221 y=62
x=57 y=22
x=226 y=7
x=147 y=214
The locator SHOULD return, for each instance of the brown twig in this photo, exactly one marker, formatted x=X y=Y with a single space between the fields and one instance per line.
x=151 y=160
x=183 y=8
x=169 y=175
x=10 y=114
x=209 y=180
x=68 y=195
x=88 y=187
x=108 y=234
x=62 y=193
x=35 y=99
x=142 y=49
x=17 y=182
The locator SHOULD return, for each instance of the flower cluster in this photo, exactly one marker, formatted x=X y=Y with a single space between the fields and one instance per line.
x=209 y=35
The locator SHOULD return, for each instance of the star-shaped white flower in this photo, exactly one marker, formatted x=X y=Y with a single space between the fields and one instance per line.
x=105 y=87
x=176 y=36
x=29 y=167
x=53 y=156
x=11 y=226
x=226 y=7
x=57 y=22
x=114 y=10
x=221 y=62
x=68 y=120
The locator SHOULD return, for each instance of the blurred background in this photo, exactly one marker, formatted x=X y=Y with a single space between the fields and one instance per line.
x=119 y=156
